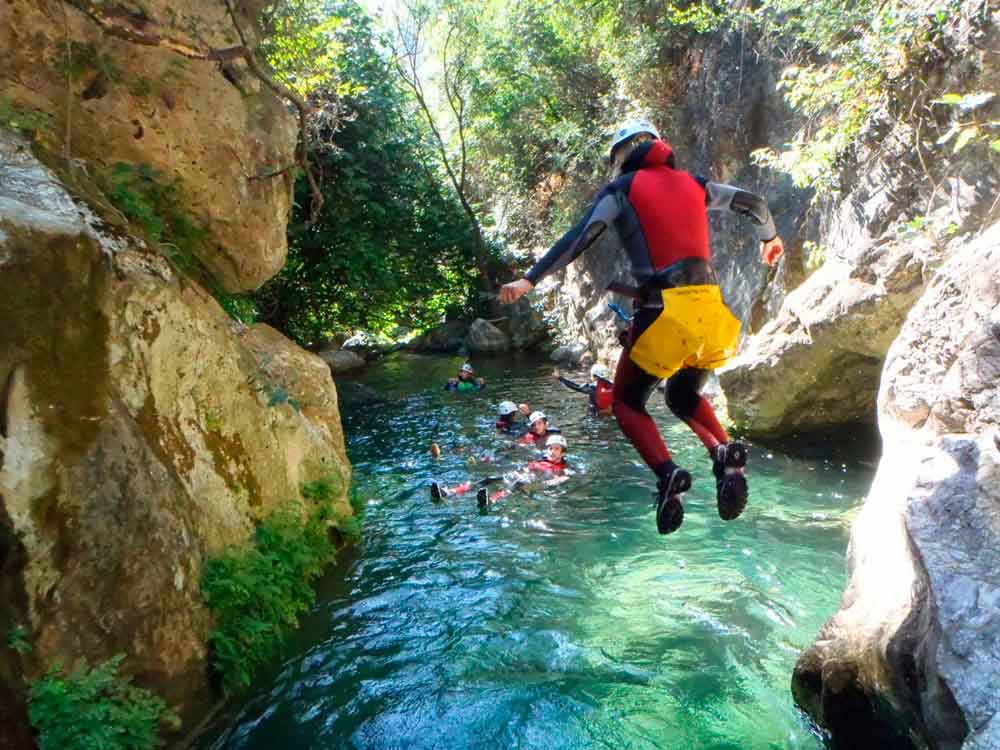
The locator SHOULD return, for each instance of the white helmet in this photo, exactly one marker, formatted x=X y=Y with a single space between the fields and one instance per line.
x=630 y=128
x=467 y=368
x=535 y=416
x=506 y=407
x=600 y=371
x=556 y=440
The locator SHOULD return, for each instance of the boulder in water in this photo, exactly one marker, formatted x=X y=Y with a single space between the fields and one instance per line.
x=486 y=338
x=911 y=658
x=369 y=345
x=528 y=324
x=817 y=364
x=446 y=338
x=343 y=361
x=570 y=355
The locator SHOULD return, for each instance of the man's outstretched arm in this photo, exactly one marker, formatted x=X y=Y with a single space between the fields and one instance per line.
x=720 y=197
x=598 y=218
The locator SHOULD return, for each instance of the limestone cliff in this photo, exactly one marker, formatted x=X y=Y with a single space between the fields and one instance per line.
x=912 y=657
x=142 y=431
x=816 y=364
x=207 y=125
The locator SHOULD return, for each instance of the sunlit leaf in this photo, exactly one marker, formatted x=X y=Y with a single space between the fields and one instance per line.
x=965 y=137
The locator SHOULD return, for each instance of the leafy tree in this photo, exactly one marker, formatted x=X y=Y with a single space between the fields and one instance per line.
x=390 y=245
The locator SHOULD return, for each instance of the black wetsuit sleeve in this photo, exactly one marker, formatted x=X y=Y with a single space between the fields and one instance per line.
x=573 y=386
x=601 y=214
x=720 y=197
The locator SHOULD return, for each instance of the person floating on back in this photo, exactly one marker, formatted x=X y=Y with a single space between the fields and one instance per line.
x=466 y=380
x=549 y=471
x=600 y=391
x=508 y=421
x=539 y=429
x=681 y=328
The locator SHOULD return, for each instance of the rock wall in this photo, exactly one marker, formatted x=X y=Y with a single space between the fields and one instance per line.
x=816 y=364
x=911 y=658
x=141 y=431
x=210 y=127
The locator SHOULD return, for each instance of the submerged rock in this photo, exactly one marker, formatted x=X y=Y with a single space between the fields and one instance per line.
x=486 y=338
x=911 y=659
x=141 y=431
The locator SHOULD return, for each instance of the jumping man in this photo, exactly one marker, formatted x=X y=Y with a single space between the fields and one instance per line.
x=682 y=328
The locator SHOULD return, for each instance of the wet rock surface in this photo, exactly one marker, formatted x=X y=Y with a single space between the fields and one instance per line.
x=485 y=338
x=912 y=655
x=143 y=431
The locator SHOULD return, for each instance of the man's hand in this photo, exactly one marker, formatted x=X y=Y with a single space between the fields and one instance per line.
x=771 y=250
x=512 y=292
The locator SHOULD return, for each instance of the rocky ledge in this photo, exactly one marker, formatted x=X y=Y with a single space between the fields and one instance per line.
x=912 y=658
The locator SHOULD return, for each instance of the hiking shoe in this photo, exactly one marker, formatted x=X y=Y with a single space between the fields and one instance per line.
x=483 y=497
x=669 y=509
x=728 y=461
x=438 y=492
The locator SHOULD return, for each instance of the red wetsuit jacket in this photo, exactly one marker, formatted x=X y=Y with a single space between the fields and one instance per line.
x=546 y=465
x=530 y=438
x=601 y=395
x=658 y=213
x=659 y=216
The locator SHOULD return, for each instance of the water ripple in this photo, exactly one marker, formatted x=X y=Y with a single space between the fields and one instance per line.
x=559 y=619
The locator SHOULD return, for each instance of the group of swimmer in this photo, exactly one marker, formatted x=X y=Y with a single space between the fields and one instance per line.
x=681 y=328
x=536 y=431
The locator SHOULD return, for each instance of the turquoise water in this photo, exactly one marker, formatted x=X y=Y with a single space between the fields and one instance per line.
x=560 y=618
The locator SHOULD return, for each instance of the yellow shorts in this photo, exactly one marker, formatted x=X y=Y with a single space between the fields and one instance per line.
x=695 y=329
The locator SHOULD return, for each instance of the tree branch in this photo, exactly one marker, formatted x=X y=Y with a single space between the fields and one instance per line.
x=132 y=27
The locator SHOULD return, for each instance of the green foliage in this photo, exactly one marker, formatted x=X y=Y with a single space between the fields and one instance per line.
x=212 y=422
x=302 y=44
x=17 y=639
x=240 y=307
x=76 y=60
x=258 y=594
x=856 y=58
x=154 y=207
x=27 y=123
x=391 y=244
x=815 y=255
x=94 y=709
x=971 y=128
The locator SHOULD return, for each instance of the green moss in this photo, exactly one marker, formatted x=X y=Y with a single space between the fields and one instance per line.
x=233 y=464
x=76 y=60
x=257 y=593
x=27 y=122
x=55 y=330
